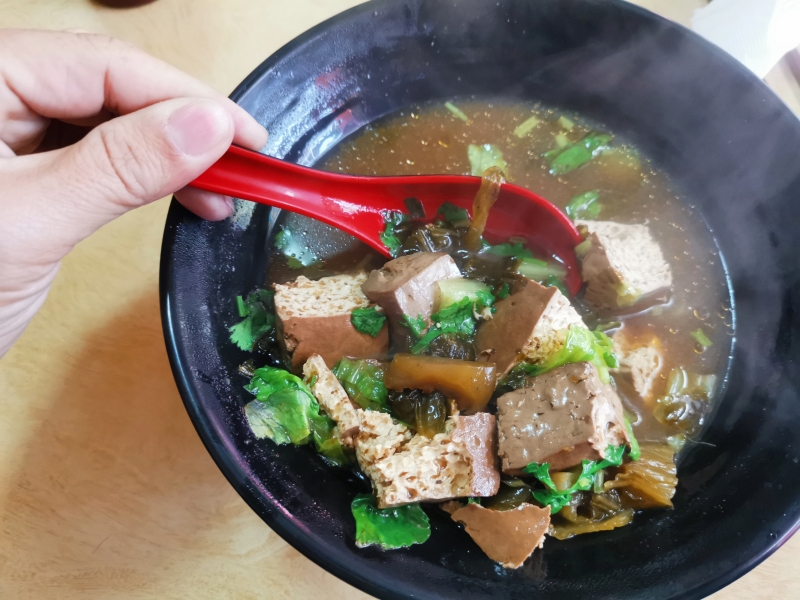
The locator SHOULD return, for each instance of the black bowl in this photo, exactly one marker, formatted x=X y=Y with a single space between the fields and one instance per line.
x=716 y=129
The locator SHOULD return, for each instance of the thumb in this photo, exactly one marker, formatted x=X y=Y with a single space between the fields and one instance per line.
x=133 y=160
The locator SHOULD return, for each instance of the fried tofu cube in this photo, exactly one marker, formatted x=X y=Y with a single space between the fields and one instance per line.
x=566 y=415
x=406 y=468
x=639 y=364
x=622 y=266
x=332 y=398
x=530 y=325
x=314 y=317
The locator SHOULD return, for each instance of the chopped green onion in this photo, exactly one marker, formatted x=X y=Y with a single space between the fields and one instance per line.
x=566 y=123
x=562 y=141
x=526 y=126
x=456 y=111
x=701 y=338
x=584 y=206
x=636 y=452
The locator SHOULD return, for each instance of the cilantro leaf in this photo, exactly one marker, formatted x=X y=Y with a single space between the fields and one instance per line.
x=457 y=318
x=363 y=382
x=389 y=237
x=259 y=319
x=368 y=320
x=485 y=156
x=504 y=291
x=415 y=325
x=388 y=528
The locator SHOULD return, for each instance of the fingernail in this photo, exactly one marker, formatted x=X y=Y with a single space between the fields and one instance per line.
x=199 y=127
x=229 y=202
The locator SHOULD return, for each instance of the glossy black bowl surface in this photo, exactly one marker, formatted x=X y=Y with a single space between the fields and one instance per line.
x=717 y=130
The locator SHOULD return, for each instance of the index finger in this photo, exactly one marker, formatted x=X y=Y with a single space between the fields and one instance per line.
x=78 y=76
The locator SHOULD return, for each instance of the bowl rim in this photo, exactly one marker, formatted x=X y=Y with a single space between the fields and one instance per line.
x=276 y=520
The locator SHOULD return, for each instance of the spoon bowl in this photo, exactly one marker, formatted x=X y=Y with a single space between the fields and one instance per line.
x=358 y=205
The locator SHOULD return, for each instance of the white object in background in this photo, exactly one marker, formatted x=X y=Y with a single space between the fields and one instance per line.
x=758 y=33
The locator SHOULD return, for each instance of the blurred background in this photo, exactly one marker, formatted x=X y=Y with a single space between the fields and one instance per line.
x=105 y=488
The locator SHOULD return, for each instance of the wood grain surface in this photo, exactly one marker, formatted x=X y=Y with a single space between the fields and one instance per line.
x=105 y=489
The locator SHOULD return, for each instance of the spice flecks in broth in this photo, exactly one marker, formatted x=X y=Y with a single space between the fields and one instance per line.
x=434 y=139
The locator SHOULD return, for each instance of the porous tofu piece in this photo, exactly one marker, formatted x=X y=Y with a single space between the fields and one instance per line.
x=506 y=536
x=566 y=415
x=639 y=364
x=332 y=398
x=313 y=317
x=406 y=285
x=623 y=265
x=530 y=325
x=404 y=468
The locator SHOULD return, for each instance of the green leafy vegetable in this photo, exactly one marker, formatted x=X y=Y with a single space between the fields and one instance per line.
x=415 y=325
x=557 y=499
x=584 y=206
x=368 y=320
x=526 y=126
x=485 y=156
x=389 y=528
x=636 y=452
x=259 y=319
x=456 y=111
x=389 y=237
x=504 y=291
x=456 y=289
x=539 y=270
x=297 y=254
x=553 y=281
x=578 y=154
x=459 y=317
x=454 y=214
x=517 y=250
x=701 y=338
x=581 y=345
x=286 y=411
x=363 y=382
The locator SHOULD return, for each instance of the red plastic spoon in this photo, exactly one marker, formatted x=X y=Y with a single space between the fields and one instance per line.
x=357 y=205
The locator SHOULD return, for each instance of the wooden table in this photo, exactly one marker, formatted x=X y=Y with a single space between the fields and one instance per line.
x=105 y=489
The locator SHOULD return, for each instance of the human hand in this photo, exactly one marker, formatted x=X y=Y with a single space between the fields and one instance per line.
x=153 y=130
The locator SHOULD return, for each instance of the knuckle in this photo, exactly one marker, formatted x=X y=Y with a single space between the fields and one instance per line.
x=132 y=172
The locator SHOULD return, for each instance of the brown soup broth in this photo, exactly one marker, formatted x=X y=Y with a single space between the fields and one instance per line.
x=430 y=139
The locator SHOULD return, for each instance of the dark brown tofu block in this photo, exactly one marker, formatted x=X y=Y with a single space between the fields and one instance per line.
x=530 y=325
x=314 y=317
x=478 y=433
x=565 y=416
x=406 y=285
